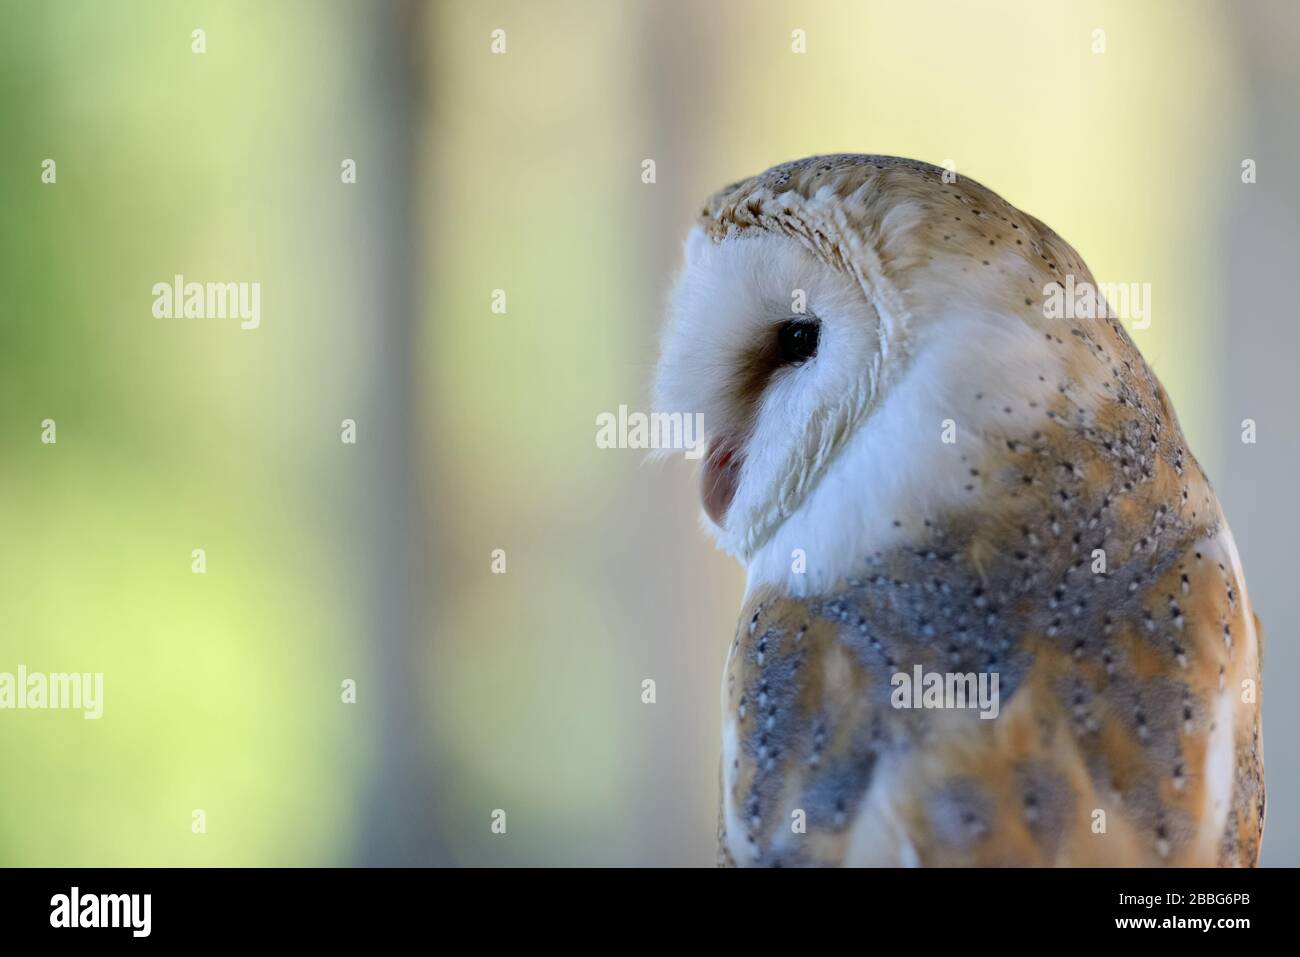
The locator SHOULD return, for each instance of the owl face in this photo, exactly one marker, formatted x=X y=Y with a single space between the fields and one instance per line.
x=866 y=341
x=780 y=353
x=850 y=409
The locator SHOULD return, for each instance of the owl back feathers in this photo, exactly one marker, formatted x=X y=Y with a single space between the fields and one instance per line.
x=1099 y=581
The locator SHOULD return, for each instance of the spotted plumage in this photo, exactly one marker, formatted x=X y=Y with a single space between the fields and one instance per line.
x=973 y=488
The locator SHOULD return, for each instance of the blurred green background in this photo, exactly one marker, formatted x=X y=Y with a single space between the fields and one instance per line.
x=518 y=171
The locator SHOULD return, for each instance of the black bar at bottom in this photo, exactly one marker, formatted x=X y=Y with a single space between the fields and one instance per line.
x=373 y=905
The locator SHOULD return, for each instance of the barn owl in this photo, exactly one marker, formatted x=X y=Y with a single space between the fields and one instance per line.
x=994 y=614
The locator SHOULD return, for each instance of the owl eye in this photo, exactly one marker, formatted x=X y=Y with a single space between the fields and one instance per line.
x=796 y=340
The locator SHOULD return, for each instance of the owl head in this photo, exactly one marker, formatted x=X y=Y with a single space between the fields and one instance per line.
x=857 y=332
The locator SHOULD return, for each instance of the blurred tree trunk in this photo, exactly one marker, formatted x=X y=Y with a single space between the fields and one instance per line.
x=397 y=826
x=1261 y=340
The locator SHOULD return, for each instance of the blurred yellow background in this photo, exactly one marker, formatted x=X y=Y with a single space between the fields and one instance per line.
x=517 y=171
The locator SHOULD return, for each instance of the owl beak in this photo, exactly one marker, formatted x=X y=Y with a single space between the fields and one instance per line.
x=721 y=476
